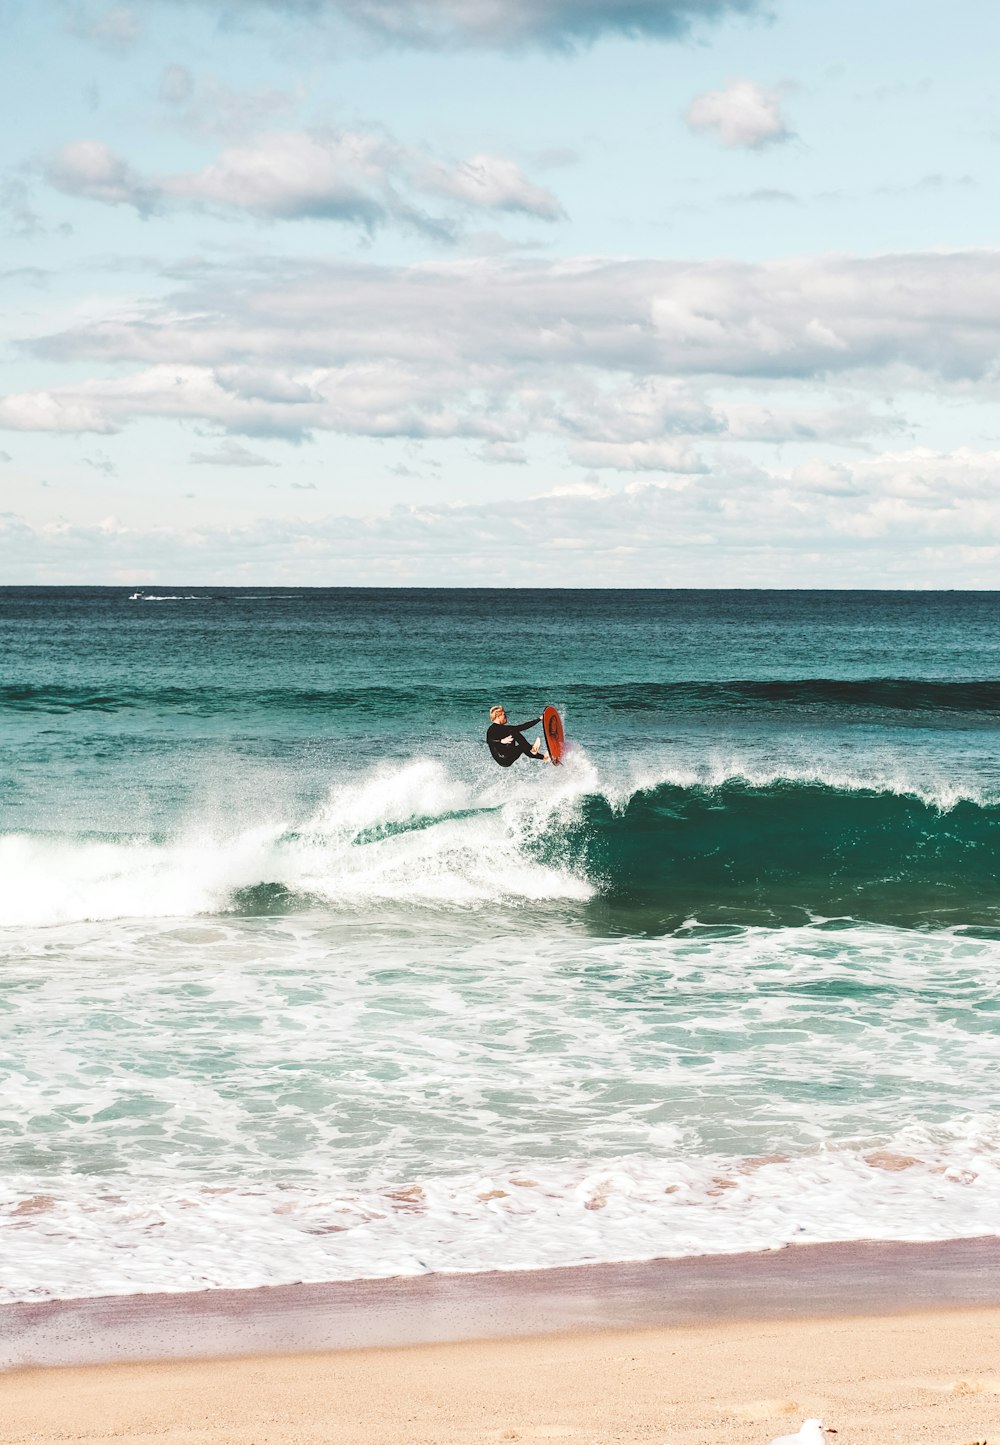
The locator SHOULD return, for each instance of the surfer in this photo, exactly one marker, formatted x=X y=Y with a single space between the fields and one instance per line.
x=507 y=743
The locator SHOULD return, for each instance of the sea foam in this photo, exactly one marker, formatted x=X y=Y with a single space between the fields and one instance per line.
x=728 y=835
x=259 y=1100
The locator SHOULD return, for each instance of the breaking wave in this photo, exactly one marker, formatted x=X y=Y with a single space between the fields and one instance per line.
x=765 y=849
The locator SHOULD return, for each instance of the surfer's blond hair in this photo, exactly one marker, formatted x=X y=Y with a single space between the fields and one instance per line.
x=496 y=711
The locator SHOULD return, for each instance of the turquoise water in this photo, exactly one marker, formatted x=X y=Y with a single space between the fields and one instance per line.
x=296 y=984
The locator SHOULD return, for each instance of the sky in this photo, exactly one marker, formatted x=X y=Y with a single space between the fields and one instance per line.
x=575 y=293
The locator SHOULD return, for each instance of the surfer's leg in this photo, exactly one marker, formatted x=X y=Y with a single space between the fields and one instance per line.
x=527 y=750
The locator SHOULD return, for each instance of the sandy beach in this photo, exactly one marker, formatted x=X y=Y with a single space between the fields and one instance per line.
x=884 y=1342
x=932 y=1376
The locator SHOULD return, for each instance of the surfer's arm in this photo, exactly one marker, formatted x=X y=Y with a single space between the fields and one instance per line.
x=520 y=727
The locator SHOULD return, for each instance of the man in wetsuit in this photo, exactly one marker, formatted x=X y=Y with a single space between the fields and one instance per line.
x=507 y=743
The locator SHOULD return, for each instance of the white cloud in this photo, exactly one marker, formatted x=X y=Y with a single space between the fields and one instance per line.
x=115 y=29
x=231 y=453
x=293 y=174
x=491 y=183
x=503 y=454
x=209 y=107
x=855 y=423
x=366 y=399
x=638 y=359
x=639 y=409
x=561 y=24
x=356 y=176
x=741 y=115
x=927 y=317
x=912 y=518
x=638 y=457
x=52 y=411
x=177 y=84
x=90 y=168
x=763 y=196
x=22 y=220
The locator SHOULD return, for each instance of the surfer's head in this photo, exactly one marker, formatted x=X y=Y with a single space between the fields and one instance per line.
x=498 y=714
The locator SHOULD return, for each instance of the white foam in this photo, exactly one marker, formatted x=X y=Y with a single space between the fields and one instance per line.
x=51 y=881
x=250 y=1101
x=72 y=1244
x=887 y=776
x=405 y=832
x=411 y=831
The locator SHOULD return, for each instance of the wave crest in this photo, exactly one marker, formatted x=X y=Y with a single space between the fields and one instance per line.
x=765 y=849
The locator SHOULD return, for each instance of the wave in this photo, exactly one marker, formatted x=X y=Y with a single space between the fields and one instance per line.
x=786 y=849
x=411 y=835
x=821 y=695
x=772 y=849
x=125 y=1237
x=906 y=694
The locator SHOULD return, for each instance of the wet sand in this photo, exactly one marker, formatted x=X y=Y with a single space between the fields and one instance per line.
x=887 y=1343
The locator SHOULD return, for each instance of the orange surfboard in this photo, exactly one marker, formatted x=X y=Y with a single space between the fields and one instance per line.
x=555 y=738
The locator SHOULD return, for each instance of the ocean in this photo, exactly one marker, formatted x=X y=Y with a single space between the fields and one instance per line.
x=296 y=984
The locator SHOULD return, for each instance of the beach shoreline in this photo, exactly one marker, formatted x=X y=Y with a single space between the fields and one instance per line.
x=799 y=1282
x=882 y=1342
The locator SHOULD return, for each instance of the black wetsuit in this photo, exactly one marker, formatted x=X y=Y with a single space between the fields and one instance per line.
x=507 y=753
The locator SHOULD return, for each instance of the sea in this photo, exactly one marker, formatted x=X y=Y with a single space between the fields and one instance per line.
x=297 y=985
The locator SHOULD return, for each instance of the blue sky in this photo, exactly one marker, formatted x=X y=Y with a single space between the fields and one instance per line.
x=581 y=292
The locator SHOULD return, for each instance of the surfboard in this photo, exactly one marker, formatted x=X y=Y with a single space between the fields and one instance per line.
x=555 y=738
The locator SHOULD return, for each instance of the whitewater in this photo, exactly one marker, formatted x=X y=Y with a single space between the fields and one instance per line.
x=294 y=985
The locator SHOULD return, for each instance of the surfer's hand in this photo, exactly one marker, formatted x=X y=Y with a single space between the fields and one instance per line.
x=508 y=739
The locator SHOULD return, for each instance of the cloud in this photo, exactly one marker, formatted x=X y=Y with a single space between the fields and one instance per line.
x=637 y=457
x=6 y=457
x=639 y=409
x=34 y=276
x=509 y=24
x=915 y=517
x=931 y=184
x=613 y=352
x=22 y=220
x=231 y=454
x=764 y=196
x=743 y=116
x=51 y=411
x=856 y=423
x=293 y=175
x=930 y=316
x=177 y=85
x=556 y=158
x=209 y=107
x=490 y=183
x=115 y=30
x=354 y=176
x=101 y=462
x=503 y=454
x=89 y=168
